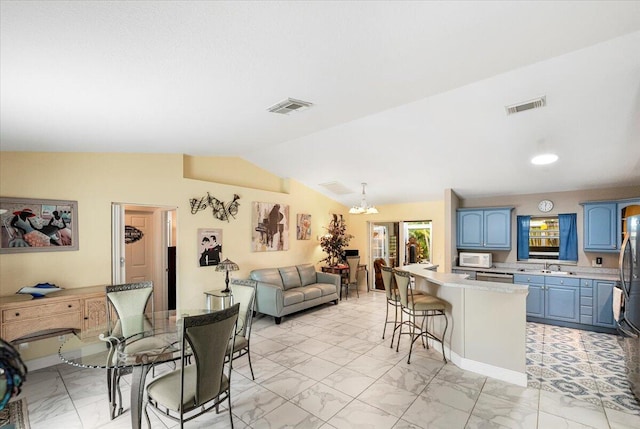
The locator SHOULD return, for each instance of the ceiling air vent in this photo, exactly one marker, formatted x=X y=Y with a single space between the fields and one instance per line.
x=289 y=105
x=337 y=188
x=526 y=105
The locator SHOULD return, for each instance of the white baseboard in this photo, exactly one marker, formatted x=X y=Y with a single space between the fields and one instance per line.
x=508 y=375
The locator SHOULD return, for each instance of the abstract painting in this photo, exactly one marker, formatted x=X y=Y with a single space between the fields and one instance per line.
x=30 y=225
x=269 y=227
x=304 y=226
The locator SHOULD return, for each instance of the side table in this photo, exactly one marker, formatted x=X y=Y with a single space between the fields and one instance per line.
x=224 y=299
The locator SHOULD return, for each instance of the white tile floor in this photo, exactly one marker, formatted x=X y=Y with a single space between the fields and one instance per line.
x=329 y=368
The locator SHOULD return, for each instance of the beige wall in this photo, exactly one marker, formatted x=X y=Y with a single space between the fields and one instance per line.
x=97 y=180
x=429 y=210
x=564 y=202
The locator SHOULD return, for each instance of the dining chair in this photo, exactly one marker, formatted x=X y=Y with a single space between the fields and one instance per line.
x=196 y=389
x=377 y=265
x=243 y=293
x=127 y=302
x=352 y=280
x=418 y=305
x=393 y=300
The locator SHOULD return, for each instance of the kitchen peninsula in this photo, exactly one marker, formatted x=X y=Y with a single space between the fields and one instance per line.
x=487 y=323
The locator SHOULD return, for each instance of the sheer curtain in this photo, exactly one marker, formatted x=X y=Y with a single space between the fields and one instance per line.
x=523 y=236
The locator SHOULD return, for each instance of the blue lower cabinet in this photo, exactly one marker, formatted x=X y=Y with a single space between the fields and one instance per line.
x=562 y=303
x=569 y=299
x=562 y=299
x=535 y=301
x=603 y=303
x=535 y=298
x=586 y=301
x=555 y=298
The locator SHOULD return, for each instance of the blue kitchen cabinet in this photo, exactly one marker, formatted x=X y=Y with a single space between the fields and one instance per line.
x=562 y=299
x=535 y=298
x=600 y=227
x=470 y=229
x=487 y=229
x=552 y=297
x=603 y=303
x=586 y=301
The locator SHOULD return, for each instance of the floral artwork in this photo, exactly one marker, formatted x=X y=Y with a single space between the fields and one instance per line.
x=269 y=227
x=304 y=227
x=29 y=225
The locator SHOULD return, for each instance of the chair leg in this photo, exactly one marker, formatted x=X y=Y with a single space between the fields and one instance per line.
x=446 y=325
x=111 y=393
x=395 y=325
x=146 y=414
x=399 y=334
x=230 y=415
x=117 y=387
x=386 y=318
x=412 y=331
x=250 y=367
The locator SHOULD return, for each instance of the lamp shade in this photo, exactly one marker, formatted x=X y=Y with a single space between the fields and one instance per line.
x=227 y=265
x=363 y=208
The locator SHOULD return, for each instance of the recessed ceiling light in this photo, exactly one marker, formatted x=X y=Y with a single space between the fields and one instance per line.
x=544 y=159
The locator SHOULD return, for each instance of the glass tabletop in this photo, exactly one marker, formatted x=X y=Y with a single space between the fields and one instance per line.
x=140 y=340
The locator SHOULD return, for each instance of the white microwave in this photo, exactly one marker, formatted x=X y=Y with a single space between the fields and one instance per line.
x=479 y=260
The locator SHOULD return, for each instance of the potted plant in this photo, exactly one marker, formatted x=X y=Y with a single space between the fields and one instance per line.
x=334 y=241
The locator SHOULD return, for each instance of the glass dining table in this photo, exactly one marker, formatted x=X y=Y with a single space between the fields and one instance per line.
x=137 y=343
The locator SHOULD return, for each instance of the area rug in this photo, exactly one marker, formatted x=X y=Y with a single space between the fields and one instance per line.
x=15 y=415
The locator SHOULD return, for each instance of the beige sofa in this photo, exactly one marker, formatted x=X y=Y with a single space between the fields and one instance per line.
x=282 y=291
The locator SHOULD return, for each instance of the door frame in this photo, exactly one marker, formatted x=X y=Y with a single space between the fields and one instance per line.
x=163 y=232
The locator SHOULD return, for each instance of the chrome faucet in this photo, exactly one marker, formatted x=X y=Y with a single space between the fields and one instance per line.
x=546 y=266
x=557 y=265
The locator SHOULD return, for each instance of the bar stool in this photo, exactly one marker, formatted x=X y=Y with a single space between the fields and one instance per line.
x=352 y=279
x=393 y=299
x=418 y=305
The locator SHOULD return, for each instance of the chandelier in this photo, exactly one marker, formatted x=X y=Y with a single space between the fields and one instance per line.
x=364 y=208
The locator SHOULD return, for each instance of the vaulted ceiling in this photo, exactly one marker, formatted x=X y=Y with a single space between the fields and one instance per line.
x=407 y=96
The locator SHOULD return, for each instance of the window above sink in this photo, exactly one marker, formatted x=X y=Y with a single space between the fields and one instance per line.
x=548 y=238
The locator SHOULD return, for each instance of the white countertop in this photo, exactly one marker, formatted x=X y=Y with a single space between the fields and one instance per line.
x=460 y=281
x=576 y=272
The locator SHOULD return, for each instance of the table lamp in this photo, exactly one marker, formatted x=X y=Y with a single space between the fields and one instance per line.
x=227 y=266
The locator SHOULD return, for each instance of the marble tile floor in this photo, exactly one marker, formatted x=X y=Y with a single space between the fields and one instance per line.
x=329 y=368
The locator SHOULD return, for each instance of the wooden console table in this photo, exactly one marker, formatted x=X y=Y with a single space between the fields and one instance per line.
x=23 y=318
x=343 y=271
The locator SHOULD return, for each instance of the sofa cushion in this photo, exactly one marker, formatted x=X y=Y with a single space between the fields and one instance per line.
x=292 y=296
x=307 y=274
x=290 y=277
x=310 y=292
x=267 y=275
x=326 y=288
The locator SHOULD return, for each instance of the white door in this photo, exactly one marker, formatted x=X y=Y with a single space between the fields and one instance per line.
x=146 y=259
x=139 y=257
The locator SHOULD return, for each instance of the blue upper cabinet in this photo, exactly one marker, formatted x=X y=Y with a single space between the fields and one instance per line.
x=600 y=227
x=470 y=229
x=484 y=229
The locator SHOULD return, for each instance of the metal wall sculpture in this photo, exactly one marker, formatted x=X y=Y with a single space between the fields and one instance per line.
x=220 y=209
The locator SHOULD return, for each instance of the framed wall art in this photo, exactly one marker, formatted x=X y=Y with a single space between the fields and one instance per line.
x=34 y=225
x=304 y=227
x=269 y=227
x=209 y=247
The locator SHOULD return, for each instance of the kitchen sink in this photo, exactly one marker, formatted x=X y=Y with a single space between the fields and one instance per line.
x=555 y=273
